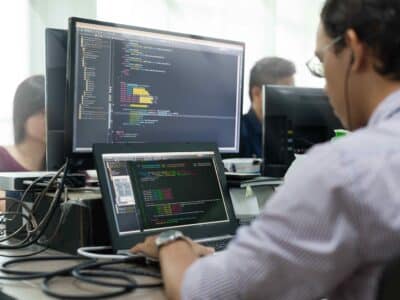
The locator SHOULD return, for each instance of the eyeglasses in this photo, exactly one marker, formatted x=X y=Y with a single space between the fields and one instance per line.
x=315 y=66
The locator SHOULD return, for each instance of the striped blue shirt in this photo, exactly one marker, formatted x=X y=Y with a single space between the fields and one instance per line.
x=326 y=232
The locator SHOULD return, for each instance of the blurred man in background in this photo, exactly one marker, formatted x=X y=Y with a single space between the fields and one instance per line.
x=268 y=70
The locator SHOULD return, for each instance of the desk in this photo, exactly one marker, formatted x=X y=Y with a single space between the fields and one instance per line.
x=30 y=289
x=249 y=200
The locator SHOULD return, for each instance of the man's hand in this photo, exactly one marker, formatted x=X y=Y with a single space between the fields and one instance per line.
x=149 y=248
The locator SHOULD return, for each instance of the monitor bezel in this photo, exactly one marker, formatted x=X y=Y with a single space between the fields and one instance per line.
x=55 y=156
x=86 y=157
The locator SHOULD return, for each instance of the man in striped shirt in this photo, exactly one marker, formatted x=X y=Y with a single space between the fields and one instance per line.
x=335 y=222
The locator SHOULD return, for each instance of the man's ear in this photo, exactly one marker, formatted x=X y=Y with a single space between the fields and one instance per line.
x=255 y=92
x=358 y=52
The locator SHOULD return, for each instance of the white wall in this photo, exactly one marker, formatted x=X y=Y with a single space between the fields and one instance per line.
x=53 y=14
x=295 y=35
x=268 y=27
x=14 y=59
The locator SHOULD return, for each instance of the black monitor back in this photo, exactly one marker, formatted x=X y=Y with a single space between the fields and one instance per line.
x=295 y=119
x=55 y=88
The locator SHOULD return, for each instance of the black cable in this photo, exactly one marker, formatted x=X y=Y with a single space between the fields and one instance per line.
x=19 y=244
x=346 y=95
x=133 y=271
x=46 y=289
x=124 y=289
x=27 y=275
x=87 y=276
x=21 y=203
x=104 y=265
x=26 y=192
x=88 y=271
x=47 y=244
x=46 y=219
x=44 y=248
x=27 y=241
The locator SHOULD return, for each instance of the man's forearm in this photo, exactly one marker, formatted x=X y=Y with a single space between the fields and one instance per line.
x=175 y=258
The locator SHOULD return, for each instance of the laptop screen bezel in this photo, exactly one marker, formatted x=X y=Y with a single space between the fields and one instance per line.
x=195 y=231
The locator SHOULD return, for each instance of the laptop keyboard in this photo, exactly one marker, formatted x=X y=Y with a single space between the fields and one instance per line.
x=217 y=244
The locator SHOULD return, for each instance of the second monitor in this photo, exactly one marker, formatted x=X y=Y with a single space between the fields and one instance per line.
x=134 y=85
x=294 y=120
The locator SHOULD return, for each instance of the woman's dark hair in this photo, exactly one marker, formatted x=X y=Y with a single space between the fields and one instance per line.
x=377 y=24
x=28 y=101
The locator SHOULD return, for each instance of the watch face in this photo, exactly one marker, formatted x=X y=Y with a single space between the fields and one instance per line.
x=167 y=237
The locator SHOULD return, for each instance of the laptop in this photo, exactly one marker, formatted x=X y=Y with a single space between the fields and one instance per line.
x=150 y=188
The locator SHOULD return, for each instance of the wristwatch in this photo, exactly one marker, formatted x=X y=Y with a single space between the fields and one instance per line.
x=168 y=236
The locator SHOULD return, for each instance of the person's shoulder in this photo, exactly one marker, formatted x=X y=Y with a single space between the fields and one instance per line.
x=8 y=162
x=246 y=119
x=365 y=143
x=366 y=150
x=4 y=152
x=246 y=123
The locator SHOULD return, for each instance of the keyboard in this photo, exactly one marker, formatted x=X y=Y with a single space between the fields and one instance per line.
x=219 y=243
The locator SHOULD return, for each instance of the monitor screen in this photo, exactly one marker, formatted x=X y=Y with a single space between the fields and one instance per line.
x=295 y=119
x=151 y=191
x=134 y=85
x=55 y=88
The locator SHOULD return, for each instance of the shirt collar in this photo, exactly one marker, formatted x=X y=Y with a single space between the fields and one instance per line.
x=386 y=109
x=255 y=123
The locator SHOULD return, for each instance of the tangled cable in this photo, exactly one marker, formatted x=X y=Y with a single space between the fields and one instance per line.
x=89 y=271
x=32 y=230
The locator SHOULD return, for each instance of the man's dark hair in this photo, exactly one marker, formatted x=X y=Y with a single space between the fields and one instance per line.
x=377 y=24
x=269 y=70
x=28 y=101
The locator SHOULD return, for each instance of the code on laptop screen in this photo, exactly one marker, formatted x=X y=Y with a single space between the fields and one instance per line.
x=158 y=190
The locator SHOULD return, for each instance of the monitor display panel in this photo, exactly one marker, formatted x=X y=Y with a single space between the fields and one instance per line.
x=295 y=119
x=154 y=190
x=135 y=85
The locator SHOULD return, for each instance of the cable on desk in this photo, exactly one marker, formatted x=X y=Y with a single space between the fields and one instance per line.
x=25 y=254
x=45 y=246
x=32 y=229
x=88 y=276
x=105 y=266
x=27 y=275
x=47 y=290
x=35 y=232
x=88 y=271
x=30 y=211
x=133 y=271
x=90 y=252
x=91 y=271
x=27 y=190
x=35 y=202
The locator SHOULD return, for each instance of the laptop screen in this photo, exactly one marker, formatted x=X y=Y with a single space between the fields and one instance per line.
x=162 y=190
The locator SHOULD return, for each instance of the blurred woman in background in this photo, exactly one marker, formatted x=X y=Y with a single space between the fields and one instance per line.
x=28 y=152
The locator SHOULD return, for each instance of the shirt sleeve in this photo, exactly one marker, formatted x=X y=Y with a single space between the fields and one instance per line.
x=305 y=241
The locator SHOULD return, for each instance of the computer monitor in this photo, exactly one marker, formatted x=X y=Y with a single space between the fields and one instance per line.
x=55 y=85
x=134 y=85
x=294 y=120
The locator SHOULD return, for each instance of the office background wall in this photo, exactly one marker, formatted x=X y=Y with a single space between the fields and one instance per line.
x=268 y=27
